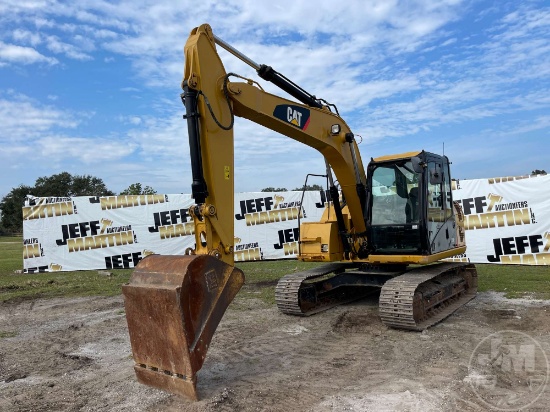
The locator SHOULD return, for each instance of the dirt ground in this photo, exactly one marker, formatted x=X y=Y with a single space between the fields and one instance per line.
x=73 y=354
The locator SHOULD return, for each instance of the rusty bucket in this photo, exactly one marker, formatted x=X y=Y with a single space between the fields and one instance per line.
x=173 y=306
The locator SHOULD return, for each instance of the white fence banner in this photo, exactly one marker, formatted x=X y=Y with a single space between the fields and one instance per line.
x=81 y=233
x=507 y=221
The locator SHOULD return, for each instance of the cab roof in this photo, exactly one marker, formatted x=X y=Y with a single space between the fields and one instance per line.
x=405 y=155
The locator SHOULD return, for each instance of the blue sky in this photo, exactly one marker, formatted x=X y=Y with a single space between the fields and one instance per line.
x=92 y=87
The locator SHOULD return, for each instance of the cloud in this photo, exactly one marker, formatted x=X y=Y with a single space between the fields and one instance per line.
x=27 y=36
x=18 y=6
x=539 y=123
x=131 y=120
x=87 y=150
x=48 y=137
x=399 y=71
x=11 y=53
x=23 y=118
x=158 y=137
x=33 y=129
x=57 y=46
x=152 y=34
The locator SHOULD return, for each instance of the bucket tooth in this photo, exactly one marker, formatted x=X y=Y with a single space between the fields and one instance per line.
x=173 y=307
x=179 y=385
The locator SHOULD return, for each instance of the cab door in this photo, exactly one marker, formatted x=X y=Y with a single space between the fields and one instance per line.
x=440 y=218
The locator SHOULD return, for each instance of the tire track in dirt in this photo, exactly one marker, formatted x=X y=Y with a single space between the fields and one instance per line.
x=292 y=353
x=350 y=343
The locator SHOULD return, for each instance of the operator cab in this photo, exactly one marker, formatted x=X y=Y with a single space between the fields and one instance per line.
x=410 y=210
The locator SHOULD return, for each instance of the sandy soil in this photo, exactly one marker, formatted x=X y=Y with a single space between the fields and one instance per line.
x=74 y=355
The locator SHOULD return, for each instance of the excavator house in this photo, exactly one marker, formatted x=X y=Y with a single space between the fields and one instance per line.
x=387 y=226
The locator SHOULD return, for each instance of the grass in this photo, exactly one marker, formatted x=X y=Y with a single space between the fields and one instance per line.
x=17 y=286
x=261 y=278
x=516 y=281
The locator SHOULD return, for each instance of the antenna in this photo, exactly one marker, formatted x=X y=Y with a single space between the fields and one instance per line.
x=443 y=148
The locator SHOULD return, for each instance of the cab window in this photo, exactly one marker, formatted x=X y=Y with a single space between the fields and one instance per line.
x=394 y=194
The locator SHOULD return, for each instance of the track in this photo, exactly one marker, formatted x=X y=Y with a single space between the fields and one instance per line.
x=425 y=296
x=290 y=289
x=412 y=299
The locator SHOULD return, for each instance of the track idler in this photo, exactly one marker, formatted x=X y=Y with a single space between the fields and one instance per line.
x=173 y=307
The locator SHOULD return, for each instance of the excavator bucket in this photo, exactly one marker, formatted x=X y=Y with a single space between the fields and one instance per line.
x=173 y=306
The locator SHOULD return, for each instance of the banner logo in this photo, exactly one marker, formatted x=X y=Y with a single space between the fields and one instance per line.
x=36 y=269
x=126 y=260
x=55 y=267
x=490 y=211
x=116 y=202
x=247 y=251
x=295 y=115
x=495 y=180
x=172 y=223
x=95 y=235
x=32 y=248
x=325 y=196
x=263 y=210
x=44 y=207
x=278 y=199
x=288 y=241
x=525 y=250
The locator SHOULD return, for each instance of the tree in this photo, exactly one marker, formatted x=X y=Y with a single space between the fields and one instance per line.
x=65 y=185
x=538 y=172
x=310 y=187
x=11 y=204
x=89 y=186
x=136 y=189
x=273 y=189
x=59 y=185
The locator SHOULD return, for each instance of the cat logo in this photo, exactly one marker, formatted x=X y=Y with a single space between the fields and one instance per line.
x=54 y=267
x=295 y=115
x=237 y=240
x=278 y=199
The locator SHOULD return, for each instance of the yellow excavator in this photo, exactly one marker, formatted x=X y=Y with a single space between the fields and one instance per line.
x=387 y=227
